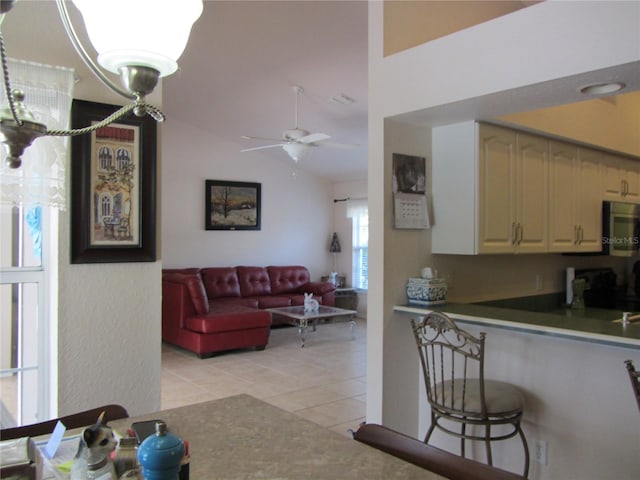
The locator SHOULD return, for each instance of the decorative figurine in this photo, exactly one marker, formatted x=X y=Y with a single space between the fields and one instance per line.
x=93 y=461
x=310 y=304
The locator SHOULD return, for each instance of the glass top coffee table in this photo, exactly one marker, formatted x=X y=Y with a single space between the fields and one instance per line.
x=302 y=318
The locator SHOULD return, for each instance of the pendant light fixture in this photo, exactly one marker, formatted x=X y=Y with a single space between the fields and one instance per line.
x=141 y=40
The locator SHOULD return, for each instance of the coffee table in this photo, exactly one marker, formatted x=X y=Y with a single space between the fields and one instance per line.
x=302 y=318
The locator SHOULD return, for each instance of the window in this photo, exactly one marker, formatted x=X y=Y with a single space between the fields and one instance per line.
x=24 y=375
x=30 y=197
x=359 y=214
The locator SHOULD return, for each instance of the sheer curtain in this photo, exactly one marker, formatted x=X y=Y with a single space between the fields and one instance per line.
x=41 y=179
x=357 y=207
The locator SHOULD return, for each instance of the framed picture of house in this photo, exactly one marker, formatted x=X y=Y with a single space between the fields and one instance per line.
x=113 y=187
x=232 y=205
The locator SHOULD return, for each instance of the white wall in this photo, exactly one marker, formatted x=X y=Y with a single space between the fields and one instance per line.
x=297 y=220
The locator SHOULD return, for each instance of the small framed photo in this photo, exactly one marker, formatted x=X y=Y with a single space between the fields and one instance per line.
x=113 y=187
x=409 y=173
x=232 y=205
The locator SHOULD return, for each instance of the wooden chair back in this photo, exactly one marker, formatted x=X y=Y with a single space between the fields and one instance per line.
x=76 y=420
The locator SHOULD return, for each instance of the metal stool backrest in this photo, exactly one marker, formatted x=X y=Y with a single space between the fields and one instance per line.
x=634 y=376
x=451 y=358
x=75 y=420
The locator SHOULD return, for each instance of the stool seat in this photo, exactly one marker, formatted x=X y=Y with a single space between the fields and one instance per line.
x=500 y=398
x=453 y=368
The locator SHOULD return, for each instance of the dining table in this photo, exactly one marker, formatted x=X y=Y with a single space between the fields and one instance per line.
x=242 y=437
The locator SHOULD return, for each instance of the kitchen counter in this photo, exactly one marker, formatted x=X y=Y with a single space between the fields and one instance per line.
x=589 y=325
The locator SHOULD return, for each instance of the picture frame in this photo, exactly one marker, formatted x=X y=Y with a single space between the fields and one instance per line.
x=113 y=187
x=232 y=205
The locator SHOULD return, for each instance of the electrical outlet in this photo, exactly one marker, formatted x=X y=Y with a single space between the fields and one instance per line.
x=540 y=454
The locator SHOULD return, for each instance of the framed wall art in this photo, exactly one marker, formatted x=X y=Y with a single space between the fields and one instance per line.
x=113 y=187
x=232 y=205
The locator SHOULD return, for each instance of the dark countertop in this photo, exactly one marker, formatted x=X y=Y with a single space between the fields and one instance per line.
x=589 y=325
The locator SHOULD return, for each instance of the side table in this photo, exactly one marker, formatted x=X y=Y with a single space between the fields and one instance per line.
x=347 y=298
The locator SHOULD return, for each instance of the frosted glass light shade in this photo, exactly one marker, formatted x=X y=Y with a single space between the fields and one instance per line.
x=297 y=151
x=148 y=33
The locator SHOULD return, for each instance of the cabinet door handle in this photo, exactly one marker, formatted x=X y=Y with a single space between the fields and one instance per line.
x=520 y=234
x=581 y=234
x=576 y=234
x=625 y=188
x=514 y=233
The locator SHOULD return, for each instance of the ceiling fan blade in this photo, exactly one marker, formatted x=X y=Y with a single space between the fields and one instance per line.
x=247 y=137
x=263 y=147
x=313 y=137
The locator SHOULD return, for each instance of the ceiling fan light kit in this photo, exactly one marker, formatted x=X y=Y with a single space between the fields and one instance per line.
x=297 y=151
x=296 y=141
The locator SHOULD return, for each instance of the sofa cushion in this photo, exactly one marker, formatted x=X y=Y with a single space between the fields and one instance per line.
x=229 y=318
x=287 y=279
x=274 y=301
x=221 y=282
x=254 y=281
x=238 y=301
x=194 y=286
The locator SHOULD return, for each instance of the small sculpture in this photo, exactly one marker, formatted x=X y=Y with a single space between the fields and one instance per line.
x=310 y=304
x=93 y=458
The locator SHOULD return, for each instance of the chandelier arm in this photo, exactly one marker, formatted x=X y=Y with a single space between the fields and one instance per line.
x=7 y=82
x=117 y=115
x=75 y=41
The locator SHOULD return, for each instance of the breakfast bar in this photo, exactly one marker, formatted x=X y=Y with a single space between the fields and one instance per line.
x=588 y=325
x=569 y=364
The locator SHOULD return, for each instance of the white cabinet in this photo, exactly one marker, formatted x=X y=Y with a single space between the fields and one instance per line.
x=512 y=192
x=489 y=189
x=621 y=177
x=575 y=199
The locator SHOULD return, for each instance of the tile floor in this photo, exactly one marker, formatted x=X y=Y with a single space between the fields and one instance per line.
x=323 y=382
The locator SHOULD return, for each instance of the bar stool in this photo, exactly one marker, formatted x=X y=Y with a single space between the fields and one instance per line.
x=453 y=366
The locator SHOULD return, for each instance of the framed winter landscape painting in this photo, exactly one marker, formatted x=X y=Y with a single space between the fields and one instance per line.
x=232 y=205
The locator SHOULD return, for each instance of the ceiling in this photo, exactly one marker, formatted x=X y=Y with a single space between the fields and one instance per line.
x=237 y=73
x=243 y=58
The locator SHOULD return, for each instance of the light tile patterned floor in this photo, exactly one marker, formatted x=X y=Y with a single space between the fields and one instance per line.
x=323 y=382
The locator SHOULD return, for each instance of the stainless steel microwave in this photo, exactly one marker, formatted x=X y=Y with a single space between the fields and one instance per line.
x=620 y=229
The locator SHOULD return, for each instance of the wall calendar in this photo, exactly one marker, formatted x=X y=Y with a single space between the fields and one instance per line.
x=411 y=210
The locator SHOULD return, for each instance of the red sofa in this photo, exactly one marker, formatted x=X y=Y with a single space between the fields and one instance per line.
x=209 y=310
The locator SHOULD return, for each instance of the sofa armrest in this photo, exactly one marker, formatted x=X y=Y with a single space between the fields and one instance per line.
x=428 y=457
x=195 y=287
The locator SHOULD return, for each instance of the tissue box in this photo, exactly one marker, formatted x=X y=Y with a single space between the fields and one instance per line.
x=426 y=291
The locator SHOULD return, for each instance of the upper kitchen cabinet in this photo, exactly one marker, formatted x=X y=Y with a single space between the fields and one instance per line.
x=490 y=190
x=621 y=177
x=575 y=199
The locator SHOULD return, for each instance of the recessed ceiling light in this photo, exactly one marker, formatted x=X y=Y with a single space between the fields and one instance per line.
x=602 y=88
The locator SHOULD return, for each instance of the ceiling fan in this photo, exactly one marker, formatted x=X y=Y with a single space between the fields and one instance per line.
x=297 y=141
